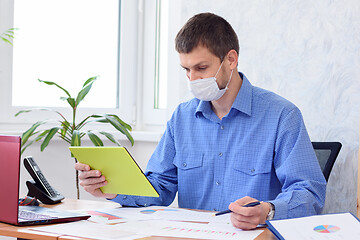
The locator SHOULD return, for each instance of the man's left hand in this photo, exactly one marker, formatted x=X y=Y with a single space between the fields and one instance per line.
x=248 y=217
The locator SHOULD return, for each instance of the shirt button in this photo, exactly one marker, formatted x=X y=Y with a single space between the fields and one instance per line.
x=220 y=154
x=252 y=170
x=215 y=209
x=184 y=164
x=125 y=197
x=217 y=183
x=145 y=205
x=222 y=127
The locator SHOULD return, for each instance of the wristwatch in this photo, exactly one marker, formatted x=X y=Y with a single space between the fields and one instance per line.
x=271 y=213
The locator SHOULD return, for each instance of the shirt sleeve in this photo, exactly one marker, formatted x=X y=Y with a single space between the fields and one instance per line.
x=297 y=168
x=162 y=174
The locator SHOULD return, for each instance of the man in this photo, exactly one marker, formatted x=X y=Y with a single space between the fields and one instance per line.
x=230 y=142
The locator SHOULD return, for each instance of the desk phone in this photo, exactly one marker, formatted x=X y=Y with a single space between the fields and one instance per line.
x=40 y=187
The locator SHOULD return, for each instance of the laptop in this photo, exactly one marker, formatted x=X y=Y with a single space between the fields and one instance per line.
x=10 y=211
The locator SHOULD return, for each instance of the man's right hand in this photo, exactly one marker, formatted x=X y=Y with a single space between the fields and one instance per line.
x=92 y=180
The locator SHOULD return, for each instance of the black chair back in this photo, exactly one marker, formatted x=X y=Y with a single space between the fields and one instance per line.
x=326 y=153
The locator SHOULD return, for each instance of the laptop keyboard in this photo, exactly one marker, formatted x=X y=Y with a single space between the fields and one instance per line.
x=27 y=215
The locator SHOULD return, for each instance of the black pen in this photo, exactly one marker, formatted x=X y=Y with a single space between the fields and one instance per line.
x=252 y=204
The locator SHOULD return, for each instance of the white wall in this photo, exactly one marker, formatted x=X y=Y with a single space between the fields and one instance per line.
x=308 y=52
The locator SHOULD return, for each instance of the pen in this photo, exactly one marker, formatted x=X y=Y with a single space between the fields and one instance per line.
x=252 y=204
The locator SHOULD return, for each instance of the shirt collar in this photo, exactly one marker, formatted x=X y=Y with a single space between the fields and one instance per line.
x=242 y=101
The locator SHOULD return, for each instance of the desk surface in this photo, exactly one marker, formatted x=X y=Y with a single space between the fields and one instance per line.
x=70 y=204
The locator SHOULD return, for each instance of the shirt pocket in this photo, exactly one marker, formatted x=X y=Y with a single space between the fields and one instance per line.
x=188 y=161
x=252 y=166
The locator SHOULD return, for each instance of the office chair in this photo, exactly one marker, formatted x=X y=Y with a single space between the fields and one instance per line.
x=326 y=153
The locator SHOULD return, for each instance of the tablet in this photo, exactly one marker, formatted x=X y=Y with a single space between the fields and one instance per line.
x=123 y=174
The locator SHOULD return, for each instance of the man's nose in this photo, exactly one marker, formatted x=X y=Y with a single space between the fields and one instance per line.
x=193 y=75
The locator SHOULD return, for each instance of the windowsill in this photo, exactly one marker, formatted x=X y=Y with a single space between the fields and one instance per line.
x=139 y=136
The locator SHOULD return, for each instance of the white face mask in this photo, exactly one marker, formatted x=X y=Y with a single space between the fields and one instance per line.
x=207 y=89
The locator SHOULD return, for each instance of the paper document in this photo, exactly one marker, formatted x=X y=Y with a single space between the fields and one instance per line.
x=187 y=230
x=134 y=223
x=320 y=227
x=165 y=213
x=87 y=229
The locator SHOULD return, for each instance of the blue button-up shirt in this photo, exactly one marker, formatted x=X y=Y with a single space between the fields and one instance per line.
x=259 y=149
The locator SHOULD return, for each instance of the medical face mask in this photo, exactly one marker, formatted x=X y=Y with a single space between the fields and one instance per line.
x=207 y=89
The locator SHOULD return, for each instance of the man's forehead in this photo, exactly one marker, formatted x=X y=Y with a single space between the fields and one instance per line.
x=198 y=56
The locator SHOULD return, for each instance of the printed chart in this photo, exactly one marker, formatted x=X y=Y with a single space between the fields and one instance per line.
x=151 y=211
x=103 y=217
x=326 y=229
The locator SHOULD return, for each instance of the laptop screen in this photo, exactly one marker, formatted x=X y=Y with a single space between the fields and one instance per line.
x=9 y=178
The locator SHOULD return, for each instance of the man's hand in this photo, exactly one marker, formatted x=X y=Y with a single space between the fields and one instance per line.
x=92 y=180
x=248 y=217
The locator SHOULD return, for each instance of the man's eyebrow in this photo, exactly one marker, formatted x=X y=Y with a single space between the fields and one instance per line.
x=196 y=65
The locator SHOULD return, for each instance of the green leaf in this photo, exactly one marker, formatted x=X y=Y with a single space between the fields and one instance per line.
x=121 y=122
x=57 y=85
x=38 y=138
x=72 y=102
x=48 y=137
x=23 y=111
x=30 y=131
x=82 y=123
x=40 y=109
x=5 y=40
x=9 y=36
x=85 y=90
x=76 y=139
x=110 y=137
x=121 y=128
x=90 y=80
x=95 y=139
x=102 y=120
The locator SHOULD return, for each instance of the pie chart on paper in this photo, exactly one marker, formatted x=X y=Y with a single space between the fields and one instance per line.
x=326 y=229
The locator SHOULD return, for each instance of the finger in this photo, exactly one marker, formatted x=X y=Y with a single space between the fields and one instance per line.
x=92 y=181
x=92 y=188
x=253 y=217
x=96 y=191
x=237 y=206
x=245 y=200
x=245 y=225
x=89 y=174
x=82 y=167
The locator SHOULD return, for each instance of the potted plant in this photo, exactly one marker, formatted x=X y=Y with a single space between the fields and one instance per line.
x=71 y=131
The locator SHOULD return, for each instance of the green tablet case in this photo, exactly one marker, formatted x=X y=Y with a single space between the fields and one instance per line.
x=121 y=171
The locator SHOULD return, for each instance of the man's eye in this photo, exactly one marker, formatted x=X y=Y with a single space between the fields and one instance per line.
x=201 y=68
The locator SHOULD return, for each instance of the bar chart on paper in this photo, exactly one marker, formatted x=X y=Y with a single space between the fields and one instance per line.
x=103 y=217
x=200 y=231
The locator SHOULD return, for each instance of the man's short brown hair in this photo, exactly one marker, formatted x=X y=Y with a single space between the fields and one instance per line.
x=209 y=30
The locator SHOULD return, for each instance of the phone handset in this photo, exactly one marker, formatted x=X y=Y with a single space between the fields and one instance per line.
x=40 y=187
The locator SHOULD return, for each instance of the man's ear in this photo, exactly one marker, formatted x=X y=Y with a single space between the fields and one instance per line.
x=233 y=59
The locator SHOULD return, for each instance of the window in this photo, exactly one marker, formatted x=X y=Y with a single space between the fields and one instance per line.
x=125 y=42
x=66 y=41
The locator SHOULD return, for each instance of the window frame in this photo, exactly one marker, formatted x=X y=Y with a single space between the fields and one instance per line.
x=126 y=90
x=136 y=67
